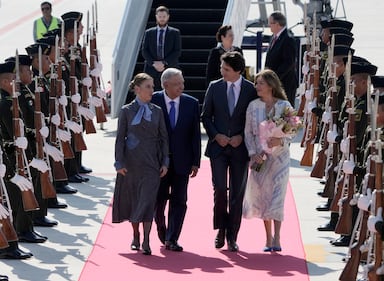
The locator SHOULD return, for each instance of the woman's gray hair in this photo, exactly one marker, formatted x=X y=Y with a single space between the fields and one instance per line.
x=168 y=73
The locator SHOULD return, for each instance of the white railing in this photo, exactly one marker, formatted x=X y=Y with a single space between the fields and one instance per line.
x=126 y=50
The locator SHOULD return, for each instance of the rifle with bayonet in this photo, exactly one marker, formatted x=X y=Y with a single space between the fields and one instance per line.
x=22 y=168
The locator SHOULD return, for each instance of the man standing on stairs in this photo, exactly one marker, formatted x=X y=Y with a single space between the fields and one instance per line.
x=161 y=46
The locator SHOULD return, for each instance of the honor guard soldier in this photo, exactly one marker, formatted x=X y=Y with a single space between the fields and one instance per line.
x=72 y=19
x=361 y=69
x=22 y=219
x=27 y=107
x=33 y=50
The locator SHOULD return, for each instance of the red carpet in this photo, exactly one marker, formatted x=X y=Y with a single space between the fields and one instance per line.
x=112 y=259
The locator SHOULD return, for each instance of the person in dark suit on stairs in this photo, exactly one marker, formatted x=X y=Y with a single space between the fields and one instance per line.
x=182 y=118
x=161 y=46
x=223 y=117
x=281 y=55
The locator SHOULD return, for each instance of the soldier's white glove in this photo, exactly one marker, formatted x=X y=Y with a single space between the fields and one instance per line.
x=364 y=201
x=74 y=127
x=63 y=100
x=332 y=135
x=55 y=119
x=309 y=94
x=305 y=69
x=76 y=98
x=3 y=212
x=3 y=169
x=85 y=112
x=100 y=93
x=344 y=146
x=311 y=105
x=39 y=164
x=95 y=101
x=52 y=151
x=326 y=117
x=95 y=72
x=63 y=135
x=372 y=220
x=21 y=142
x=349 y=165
x=22 y=183
x=380 y=270
x=87 y=81
x=44 y=132
x=99 y=66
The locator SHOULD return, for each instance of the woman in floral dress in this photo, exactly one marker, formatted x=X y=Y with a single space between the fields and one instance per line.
x=267 y=182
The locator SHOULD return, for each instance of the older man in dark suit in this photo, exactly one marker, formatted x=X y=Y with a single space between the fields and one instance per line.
x=223 y=116
x=182 y=118
x=281 y=55
x=161 y=46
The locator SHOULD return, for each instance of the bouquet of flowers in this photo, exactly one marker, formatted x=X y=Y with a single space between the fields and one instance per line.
x=281 y=125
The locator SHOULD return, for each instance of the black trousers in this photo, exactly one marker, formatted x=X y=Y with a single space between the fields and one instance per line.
x=229 y=177
x=173 y=187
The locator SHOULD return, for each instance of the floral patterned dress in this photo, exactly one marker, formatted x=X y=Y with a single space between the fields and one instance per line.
x=265 y=191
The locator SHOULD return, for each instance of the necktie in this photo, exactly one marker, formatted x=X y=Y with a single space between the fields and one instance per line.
x=274 y=38
x=231 y=98
x=160 y=45
x=172 y=115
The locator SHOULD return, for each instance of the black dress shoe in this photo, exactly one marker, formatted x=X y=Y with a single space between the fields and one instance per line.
x=219 y=240
x=3 y=278
x=31 y=237
x=14 y=254
x=161 y=234
x=44 y=221
x=173 y=246
x=323 y=207
x=326 y=227
x=54 y=204
x=65 y=189
x=74 y=179
x=323 y=181
x=343 y=241
x=85 y=170
x=232 y=246
x=83 y=179
x=146 y=250
x=320 y=193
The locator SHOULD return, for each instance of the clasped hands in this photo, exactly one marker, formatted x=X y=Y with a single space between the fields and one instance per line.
x=159 y=65
x=224 y=140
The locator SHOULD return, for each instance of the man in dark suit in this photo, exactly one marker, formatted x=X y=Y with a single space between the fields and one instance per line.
x=181 y=114
x=223 y=117
x=161 y=46
x=282 y=55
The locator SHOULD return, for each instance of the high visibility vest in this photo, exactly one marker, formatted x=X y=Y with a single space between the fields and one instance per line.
x=41 y=29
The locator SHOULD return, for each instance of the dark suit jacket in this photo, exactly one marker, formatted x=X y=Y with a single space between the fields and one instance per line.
x=281 y=58
x=172 y=48
x=185 y=139
x=213 y=65
x=217 y=120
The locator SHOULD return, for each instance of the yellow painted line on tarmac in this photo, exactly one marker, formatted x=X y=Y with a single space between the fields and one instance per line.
x=315 y=253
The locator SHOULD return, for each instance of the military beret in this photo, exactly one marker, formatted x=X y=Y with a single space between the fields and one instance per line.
x=337 y=30
x=23 y=60
x=377 y=81
x=7 y=67
x=342 y=50
x=72 y=15
x=361 y=65
x=34 y=49
x=336 y=23
x=49 y=40
x=343 y=39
